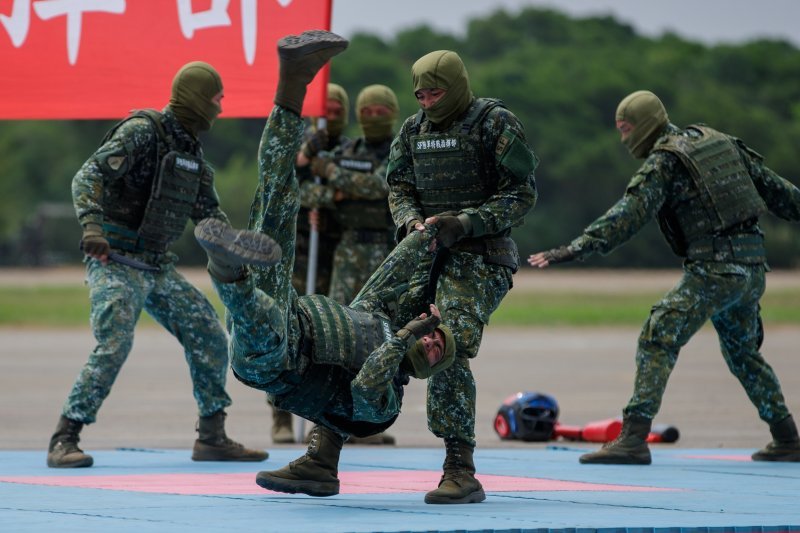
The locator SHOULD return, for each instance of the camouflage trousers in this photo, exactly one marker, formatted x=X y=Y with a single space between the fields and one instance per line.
x=468 y=292
x=353 y=264
x=118 y=295
x=729 y=298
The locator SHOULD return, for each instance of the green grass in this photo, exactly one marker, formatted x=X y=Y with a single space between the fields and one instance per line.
x=68 y=306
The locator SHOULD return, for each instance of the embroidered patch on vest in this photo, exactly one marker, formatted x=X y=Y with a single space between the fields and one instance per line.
x=443 y=144
x=359 y=165
x=187 y=164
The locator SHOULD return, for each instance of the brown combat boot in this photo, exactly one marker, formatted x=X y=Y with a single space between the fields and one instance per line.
x=785 y=445
x=63 y=451
x=629 y=448
x=282 y=426
x=315 y=473
x=229 y=249
x=301 y=57
x=458 y=483
x=214 y=445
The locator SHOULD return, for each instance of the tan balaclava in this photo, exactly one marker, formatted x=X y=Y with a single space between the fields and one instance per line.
x=378 y=128
x=645 y=112
x=416 y=362
x=443 y=69
x=193 y=89
x=337 y=126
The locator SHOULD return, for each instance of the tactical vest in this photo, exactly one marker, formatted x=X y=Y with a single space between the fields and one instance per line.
x=342 y=336
x=450 y=168
x=363 y=214
x=724 y=197
x=169 y=202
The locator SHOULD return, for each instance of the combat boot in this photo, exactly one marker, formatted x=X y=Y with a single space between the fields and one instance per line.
x=378 y=438
x=315 y=473
x=63 y=451
x=785 y=445
x=214 y=445
x=629 y=448
x=229 y=249
x=282 y=426
x=458 y=483
x=301 y=57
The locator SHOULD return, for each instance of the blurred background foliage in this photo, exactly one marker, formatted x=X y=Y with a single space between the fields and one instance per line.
x=562 y=76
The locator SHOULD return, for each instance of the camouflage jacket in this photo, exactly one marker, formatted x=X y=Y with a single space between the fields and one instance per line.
x=663 y=176
x=130 y=158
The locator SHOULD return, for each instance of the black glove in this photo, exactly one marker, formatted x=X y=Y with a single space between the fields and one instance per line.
x=419 y=327
x=451 y=230
x=315 y=144
x=92 y=242
x=562 y=254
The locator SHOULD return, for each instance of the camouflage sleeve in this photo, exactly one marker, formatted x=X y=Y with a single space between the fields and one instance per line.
x=361 y=185
x=504 y=139
x=644 y=196
x=374 y=397
x=315 y=195
x=207 y=205
x=400 y=178
x=781 y=196
x=120 y=155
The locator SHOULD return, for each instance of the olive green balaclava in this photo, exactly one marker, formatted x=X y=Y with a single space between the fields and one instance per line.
x=416 y=362
x=645 y=112
x=337 y=126
x=443 y=69
x=193 y=88
x=382 y=127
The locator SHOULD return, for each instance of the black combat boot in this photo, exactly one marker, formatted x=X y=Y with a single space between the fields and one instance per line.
x=629 y=448
x=214 y=445
x=301 y=57
x=230 y=249
x=458 y=483
x=315 y=473
x=282 y=426
x=785 y=445
x=63 y=451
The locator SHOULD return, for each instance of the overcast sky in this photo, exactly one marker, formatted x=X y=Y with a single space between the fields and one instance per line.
x=707 y=21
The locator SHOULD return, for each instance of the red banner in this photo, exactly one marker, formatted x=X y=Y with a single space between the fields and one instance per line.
x=98 y=59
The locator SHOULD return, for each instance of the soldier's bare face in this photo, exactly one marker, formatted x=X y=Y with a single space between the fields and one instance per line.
x=434 y=347
x=428 y=97
x=625 y=128
x=334 y=109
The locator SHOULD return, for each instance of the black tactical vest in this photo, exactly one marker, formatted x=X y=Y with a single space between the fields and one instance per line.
x=452 y=171
x=166 y=205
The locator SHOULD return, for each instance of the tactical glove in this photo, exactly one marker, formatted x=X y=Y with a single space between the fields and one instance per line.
x=419 y=327
x=562 y=254
x=451 y=230
x=315 y=144
x=322 y=167
x=92 y=242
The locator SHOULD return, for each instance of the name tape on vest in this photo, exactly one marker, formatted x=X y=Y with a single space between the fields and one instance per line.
x=445 y=144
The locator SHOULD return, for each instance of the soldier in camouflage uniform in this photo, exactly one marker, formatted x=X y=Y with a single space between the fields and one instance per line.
x=133 y=198
x=343 y=368
x=328 y=140
x=462 y=165
x=707 y=191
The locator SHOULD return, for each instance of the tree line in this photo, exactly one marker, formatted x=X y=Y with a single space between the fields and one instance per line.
x=562 y=76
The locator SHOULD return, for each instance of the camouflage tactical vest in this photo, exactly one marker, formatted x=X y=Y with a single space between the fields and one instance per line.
x=363 y=214
x=168 y=204
x=451 y=170
x=342 y=336
x=705 y=225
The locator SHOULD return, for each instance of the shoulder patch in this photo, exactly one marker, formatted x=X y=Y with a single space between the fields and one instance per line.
x=502 y=143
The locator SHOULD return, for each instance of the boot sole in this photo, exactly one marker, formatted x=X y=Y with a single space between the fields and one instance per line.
x=311 y=488
x=785 y=458
x=308 y=42
x=77 y=464
x=237 y=246
x=614 y=461
x=474 y=497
